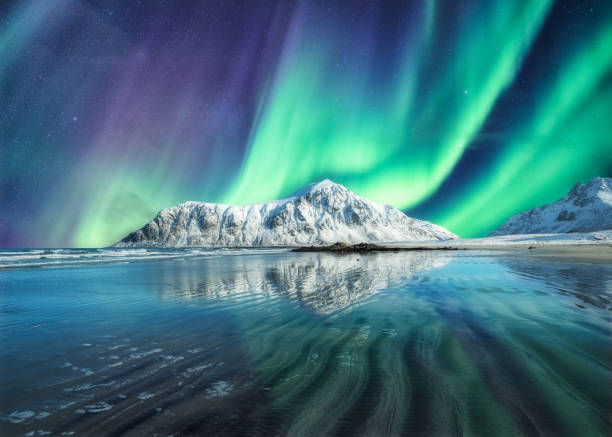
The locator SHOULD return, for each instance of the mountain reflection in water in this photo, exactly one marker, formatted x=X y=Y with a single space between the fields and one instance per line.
x=324 y=283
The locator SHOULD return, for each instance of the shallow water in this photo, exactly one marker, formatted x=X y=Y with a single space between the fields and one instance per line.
x=277 y=343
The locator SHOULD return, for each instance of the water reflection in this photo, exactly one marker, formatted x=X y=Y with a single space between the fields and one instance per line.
x=324 y=283
x=588 y=282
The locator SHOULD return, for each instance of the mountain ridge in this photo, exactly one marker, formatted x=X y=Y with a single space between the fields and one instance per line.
x=318 y=214
x=585 y=208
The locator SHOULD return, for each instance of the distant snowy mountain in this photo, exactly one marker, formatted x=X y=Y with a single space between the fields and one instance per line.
x=318 y=214
x=586 y=208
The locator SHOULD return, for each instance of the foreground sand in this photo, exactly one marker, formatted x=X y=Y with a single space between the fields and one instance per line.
x=591 y=246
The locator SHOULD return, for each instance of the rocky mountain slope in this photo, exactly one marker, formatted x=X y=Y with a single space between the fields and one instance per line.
x=586 y=208
x=319 y=214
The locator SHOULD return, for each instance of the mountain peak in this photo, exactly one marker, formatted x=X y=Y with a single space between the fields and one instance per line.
x=325 y=185
x=601 y=184
x=596 y=183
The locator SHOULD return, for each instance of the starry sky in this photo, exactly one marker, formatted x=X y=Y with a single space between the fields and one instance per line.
x=457 y=112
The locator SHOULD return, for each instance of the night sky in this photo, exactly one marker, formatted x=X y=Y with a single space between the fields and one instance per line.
x=458 y=112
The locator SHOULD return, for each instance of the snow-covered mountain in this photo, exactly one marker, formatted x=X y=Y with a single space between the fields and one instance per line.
x=586 y=208
x=318 y=214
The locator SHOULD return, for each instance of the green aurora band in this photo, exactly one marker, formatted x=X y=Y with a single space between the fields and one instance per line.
x=396 y=143
x=566 y=139
x=392 y=109
x=395 y=140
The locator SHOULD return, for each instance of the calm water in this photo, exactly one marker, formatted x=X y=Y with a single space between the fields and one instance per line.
x=276 y=343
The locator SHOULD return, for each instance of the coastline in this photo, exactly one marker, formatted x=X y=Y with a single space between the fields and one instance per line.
x=593 y=246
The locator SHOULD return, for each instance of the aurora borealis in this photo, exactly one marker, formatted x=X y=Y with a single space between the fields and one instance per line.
x=460 y=113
